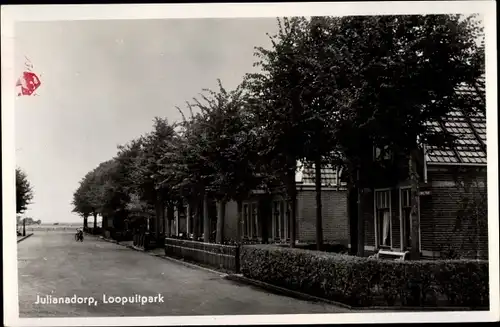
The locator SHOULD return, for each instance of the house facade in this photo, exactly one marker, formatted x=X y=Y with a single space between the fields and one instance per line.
x=265 y=217
x=452 y=202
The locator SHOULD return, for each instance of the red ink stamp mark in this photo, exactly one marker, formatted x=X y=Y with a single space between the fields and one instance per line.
x=28 y=82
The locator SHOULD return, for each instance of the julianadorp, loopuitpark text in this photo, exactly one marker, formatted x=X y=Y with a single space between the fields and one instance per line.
x=105 y=299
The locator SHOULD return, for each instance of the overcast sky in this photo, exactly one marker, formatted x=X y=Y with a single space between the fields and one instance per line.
x=103 y=82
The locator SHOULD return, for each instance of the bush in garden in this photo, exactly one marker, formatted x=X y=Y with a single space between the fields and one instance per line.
x=326 y=247
x=364 y=281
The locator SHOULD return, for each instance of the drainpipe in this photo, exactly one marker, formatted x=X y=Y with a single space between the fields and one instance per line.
x=425 y=165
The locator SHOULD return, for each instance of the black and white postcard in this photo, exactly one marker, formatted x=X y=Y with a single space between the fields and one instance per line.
x=286 y=163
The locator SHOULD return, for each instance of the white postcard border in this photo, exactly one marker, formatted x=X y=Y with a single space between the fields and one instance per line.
x=11 y=14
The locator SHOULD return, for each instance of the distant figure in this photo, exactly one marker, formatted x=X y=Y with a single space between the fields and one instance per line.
x=79 y=234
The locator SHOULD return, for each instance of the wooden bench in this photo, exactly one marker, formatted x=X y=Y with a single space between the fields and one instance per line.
x=391 y=255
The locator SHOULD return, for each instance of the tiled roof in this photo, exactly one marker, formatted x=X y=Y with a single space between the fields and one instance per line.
x=306 y=175
x=470 y=131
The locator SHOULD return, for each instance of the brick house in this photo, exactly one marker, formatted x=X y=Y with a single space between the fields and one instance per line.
x=452 y=181
x=452 y=197
x=265 y=216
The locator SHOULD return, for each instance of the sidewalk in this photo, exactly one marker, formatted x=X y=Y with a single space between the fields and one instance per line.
x=160 y=253
x=130 y=245
x=240 y=279
x=115 y=270
x=272 y=289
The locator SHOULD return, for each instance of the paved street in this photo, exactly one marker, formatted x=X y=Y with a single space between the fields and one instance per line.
x=52 y=263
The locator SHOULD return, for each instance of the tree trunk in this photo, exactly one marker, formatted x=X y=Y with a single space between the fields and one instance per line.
x=196 y=216
x=352 y=214
x=199 y=219
x=292 y=192
x=206 y=220
x=161 y=232
x=293 y=220
x=180 y=209
x=361 y=222
x=85 y=222
x=239 y=219
x=220 y=221
x=164 y=219
x=319 y=217
x=189 y=209
x=170 y=219
x=291 y=188
x=158 y=218
x=265 y=207
x=104 y=224
x=24 y=227
x=415 y=239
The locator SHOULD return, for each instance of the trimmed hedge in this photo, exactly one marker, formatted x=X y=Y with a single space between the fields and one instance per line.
x=326 y=247
x=361 y=282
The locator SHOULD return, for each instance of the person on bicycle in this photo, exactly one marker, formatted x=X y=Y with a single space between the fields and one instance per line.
x=79 y=232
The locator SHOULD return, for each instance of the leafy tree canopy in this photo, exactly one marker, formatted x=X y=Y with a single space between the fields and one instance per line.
x=24 y=191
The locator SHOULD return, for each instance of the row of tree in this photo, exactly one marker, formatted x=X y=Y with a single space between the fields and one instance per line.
x=28 y=221
x=24 y=196
x=328 y=91
x=24 y=191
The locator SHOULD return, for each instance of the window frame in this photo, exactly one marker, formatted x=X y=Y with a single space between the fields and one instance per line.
x=254 y=219
x=245 y=213
x=279 y=220
x=401 y=219
x=377 y=153
x=376 y=216
x=250 y=221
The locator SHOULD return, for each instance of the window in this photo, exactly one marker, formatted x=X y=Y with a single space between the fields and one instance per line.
x=382 y=153
x=383 y=218
x=276 y=219
x=406 y=217
x=340 y=182
x=281 y=220
x=250 y=220
x=255 y=222
x=279 y=226
x=181 y=216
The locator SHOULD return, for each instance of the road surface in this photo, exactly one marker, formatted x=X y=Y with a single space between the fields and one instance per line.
x=52 y=265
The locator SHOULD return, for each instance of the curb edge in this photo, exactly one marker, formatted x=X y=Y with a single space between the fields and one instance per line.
x=184 y=263
x=25 y=237
x=304 y=296
x=285 y=291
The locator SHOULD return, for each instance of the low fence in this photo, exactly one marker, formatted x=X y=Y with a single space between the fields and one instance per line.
x=141 y=240
x=225 y=257
x=147 y=241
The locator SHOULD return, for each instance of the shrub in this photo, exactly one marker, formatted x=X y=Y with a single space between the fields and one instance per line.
x=368 y=282
x=326 y=247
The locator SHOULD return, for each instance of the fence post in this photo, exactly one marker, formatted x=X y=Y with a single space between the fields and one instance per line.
x=237 y=259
